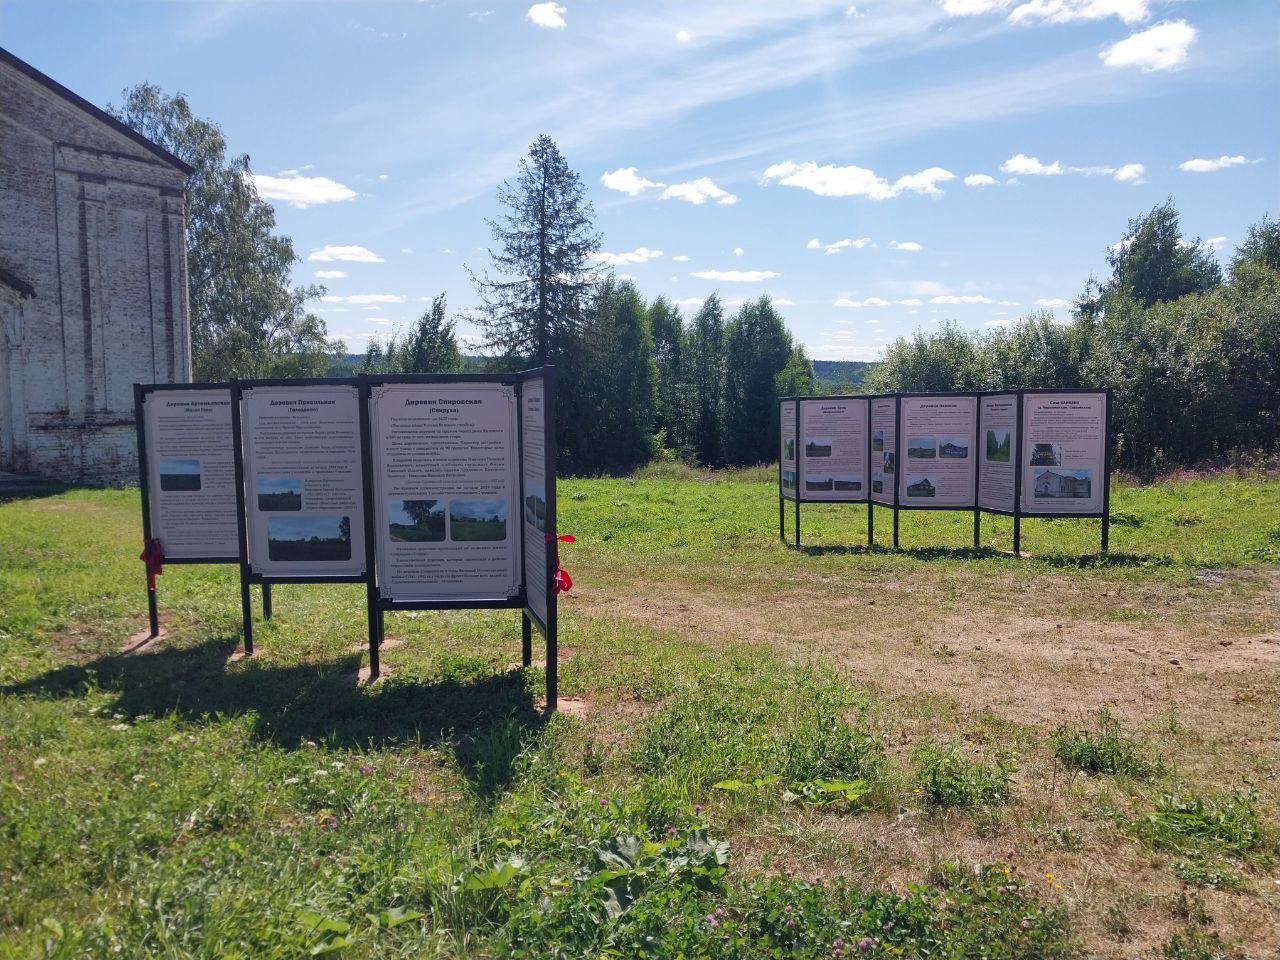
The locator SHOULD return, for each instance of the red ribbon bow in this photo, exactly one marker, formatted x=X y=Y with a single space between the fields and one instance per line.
x=153 y=556
x=561 y=582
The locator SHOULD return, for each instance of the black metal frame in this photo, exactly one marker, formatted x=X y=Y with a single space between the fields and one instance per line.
x=140 y=393
x=799 y=498
x=899 y=476
x=379 y=605
x=248 y=576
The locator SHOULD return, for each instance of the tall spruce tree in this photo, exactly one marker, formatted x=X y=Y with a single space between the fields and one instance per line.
x=541 y=272
x=669 y=350
x=757 y=349
x=705 y=365
x=246 y=319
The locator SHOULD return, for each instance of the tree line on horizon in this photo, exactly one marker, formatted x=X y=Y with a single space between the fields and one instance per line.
x=1193 y=356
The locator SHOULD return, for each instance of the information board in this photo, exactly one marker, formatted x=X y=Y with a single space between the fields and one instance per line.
x=998 y=448
x=444 y=465
x=787 y=458
x=191 y=476
x=1064 y=453
x=539 y=515
x=884 y=442
x=303 y=480
x=834 y=434
x=936 y=451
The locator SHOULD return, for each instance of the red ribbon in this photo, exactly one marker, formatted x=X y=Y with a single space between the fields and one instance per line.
x=153 y=556
x=561 y=582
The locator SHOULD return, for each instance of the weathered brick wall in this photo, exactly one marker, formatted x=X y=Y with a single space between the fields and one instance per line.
x=95 y=224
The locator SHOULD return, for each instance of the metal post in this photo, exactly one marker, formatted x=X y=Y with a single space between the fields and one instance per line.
x=526 y=640
x=1021 y=453
x=1106 y=479
x=897 y=467
x=144 y=484
x=246 y=612
x=799 y=470
x=266 y=601
x=373 y=595
x=242 y=527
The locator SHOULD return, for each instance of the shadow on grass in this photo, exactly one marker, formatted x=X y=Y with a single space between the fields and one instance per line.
x=485 y=718
x=1084 y=561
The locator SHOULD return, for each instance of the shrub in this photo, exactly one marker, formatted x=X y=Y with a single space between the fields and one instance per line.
x=1105 y=751
x=946 y=778
x=1186 y=820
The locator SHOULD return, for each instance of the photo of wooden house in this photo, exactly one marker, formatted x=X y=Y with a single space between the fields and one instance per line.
x=921 y=487
x=953 y=448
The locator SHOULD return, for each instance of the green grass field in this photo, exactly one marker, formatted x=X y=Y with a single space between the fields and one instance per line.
x=834 y=752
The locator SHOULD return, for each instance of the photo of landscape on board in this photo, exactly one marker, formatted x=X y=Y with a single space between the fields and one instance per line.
x=640 y=480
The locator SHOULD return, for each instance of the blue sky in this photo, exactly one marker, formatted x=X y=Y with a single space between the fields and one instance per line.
x=877 y=168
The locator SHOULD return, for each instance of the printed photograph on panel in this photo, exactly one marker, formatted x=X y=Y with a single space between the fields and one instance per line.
x=922 y=448
x=877 y=440
x=1063 y=484
x=1046 y=455
x=919 y=486
x=477 y=520
x=820 y=484
x=415 y=521
x=309 y=538
x=818 y=447
x=998 y=446
x=953 y=448
x=788 y=479
x=848 y=482
x=180 y=475
x=279 y=493
x=535 y=507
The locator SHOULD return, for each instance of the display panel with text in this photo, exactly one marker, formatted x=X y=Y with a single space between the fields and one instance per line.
x=787 y=457
x=998 y=452
x=304 y=491
x=834 y=437
x=1064 y=452
x=935 y=451
x=539 y=516
x=446 y=491
x=191 y=473
x=884 y=442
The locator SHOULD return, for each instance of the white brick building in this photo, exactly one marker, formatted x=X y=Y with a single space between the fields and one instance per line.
x=93 y=279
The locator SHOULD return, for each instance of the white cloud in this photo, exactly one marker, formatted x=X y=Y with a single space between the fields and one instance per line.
x=1052 y=303
x=1161 y=47
x=699 y=192
x=735 y=276
x=979 y=180
x=549 y=15
x=910 y=246
x=681 y=258
x=911 y=302
x=689 y=302
x=738 y=251
x=447 y=251
x=683 y=36
x=1066 y=11
x=1216 y=243
x=869 y=302
x=626 y=180
x=827 y=180
x=997 y=323
x=783 y=302
x=830 y=248
x=330 y=274
x=292 y=187
x=973 y=8
x=352 y=254
x=406 y=249
x=1022 y=165
x=1131 y=173
x=638 y=255
x=955 y=299
x=363 y=298
x=1212 y=166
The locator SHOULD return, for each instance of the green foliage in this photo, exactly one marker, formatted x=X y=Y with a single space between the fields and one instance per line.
x=246 y=321
x=946 y=360
x=1196 y=943
x=947 y=778
x=1106 y=750
x=1200 y=872
x=431 y=346
x=705 y=374
x=1191 y=821
x=1154 y=264
x=757 y=351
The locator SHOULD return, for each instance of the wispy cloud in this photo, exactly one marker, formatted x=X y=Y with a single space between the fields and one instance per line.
x=869 y=302
x=1162 y=47
x=1052 y=303
x=638 y=255
x=330 y=274
x=838 y=245
x=699 y=192
x=980 y=180
x=301 y=191
x=627 y=180
x=909 y=246
x=828 y=180
x=361 y=299
x=350 y=253
x=735 y=276
x=549 y=16
x=1212 y=166
x=1020 y=165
